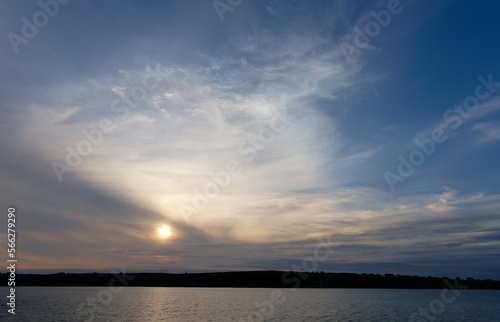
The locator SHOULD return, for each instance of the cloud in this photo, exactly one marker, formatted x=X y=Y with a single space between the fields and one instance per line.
x=214 y=92
x=490 y=131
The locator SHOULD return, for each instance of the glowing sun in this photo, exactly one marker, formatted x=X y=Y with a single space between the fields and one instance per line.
x=164 y=232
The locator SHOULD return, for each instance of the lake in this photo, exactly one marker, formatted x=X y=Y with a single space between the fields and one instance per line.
x=249 y=304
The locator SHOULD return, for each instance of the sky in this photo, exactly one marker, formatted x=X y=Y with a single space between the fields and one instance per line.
x=198 y=136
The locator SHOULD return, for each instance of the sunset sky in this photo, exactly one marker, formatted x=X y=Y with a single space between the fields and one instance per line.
x=188 y=136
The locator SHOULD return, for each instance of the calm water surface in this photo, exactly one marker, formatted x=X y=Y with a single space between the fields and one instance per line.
x=230 y=304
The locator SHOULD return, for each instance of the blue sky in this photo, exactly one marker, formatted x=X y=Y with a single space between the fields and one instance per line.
x=249 y=137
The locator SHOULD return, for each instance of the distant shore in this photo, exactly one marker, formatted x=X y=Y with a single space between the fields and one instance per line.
x=253 y=279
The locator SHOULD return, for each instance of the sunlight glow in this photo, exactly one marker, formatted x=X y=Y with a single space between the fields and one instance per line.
x=164 y=232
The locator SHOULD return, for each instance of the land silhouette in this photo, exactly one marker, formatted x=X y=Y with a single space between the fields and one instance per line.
x=253 y=279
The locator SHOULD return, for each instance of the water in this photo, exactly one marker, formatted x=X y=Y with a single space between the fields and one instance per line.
x=239 y=304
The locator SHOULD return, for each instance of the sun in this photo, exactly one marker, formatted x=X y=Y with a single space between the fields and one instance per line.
x=164 y=232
